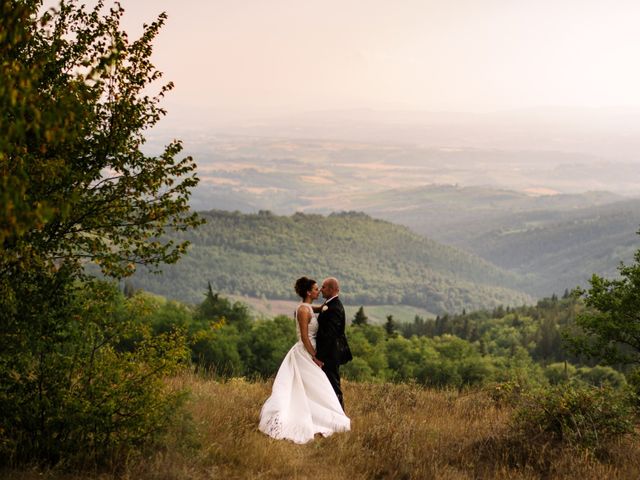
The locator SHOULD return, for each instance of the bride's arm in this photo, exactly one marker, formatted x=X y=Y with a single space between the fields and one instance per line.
x=303 y=317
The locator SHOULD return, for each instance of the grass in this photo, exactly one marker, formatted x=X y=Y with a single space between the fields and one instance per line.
x=399 y=431
x=377 y=313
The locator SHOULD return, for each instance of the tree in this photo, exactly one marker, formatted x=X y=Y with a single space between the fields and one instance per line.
x=75 y=186
x=360 y=318
x=610 y=326
x=390 y=326
x=215 y=308
x=75 y=182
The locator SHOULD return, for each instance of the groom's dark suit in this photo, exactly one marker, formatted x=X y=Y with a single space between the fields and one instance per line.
x=331 y=324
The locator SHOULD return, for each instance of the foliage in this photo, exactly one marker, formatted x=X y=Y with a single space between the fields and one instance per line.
x=495 y=350
x=500 y=352
x=84 y=381
x=80 y=380
x=390 y=326
x=599 y=375
x=216 y=308
x=559 y=372
x=259 y=350
x=216 y=351
x=265 y=345
x=507 y=393
x=75 y=183
x=575 y=415
x=610 y=327
x=537 y=329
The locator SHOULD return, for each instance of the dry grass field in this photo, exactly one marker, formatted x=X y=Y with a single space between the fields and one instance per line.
x=398 y=432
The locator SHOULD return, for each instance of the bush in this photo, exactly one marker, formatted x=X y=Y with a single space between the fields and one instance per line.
x=358 y=370
x=89 y=389
x=559 y=372
x=601 y=376
x=633 y=384
x=580 y=416
x=507 y=393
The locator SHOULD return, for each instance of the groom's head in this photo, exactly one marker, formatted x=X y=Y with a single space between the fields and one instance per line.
x=330 y=288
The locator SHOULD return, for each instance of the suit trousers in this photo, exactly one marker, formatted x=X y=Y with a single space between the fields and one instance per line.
x=333 y=374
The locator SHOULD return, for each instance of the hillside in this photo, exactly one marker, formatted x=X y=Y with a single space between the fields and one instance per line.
x=456 y=215
x=261 y=255
x=556 y=241
x=566 y=250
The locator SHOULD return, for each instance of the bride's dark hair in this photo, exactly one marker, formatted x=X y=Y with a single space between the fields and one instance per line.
x=303 y=285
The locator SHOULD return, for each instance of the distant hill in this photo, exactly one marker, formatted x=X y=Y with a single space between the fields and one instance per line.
x=261 y=255
x=566 y=250
x=454 y=215
x=556 y=241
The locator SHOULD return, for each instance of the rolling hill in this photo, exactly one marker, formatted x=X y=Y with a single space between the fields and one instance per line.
x=564 y=250
x=261 y=255
x=554 y=241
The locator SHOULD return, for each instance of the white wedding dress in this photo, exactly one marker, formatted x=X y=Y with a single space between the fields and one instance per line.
x=302 y=401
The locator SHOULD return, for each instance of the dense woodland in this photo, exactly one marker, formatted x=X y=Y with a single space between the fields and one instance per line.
x=377 y=262
x=522 y=344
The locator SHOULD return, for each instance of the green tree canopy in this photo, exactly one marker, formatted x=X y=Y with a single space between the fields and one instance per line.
x=610 y=327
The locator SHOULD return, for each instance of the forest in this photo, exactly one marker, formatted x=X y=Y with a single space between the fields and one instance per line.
x=377 y=262
x=522 y=344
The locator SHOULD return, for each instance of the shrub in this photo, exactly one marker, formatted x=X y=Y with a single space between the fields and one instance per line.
x=507 y=393
x=577 y=415
x=559 y=372
x=601 y=375
x=90 y=388
x=358 y=370
x=633 y=383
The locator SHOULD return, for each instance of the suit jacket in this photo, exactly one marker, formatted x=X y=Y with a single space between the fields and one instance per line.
x=331 y=324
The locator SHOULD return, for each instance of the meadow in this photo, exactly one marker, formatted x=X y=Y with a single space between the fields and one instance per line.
x=399 y=431
x=377 y=314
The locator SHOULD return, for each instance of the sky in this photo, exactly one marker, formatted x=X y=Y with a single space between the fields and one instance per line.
x=248 y=57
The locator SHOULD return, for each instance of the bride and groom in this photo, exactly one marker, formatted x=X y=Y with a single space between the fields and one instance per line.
x=306 y=398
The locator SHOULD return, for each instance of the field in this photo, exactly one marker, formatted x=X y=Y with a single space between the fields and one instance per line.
x=377 y=314
x=399 y=431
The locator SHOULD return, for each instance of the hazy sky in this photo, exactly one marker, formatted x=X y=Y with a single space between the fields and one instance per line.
x=255 y=56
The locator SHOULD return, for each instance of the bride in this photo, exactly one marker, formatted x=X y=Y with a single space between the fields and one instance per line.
x=302 y=401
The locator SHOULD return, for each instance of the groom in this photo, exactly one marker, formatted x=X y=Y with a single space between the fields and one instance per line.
x=331 y=323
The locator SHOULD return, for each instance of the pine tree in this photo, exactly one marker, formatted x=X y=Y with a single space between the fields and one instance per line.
x=390 y=326
x=215 y=308
x=360 y=317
